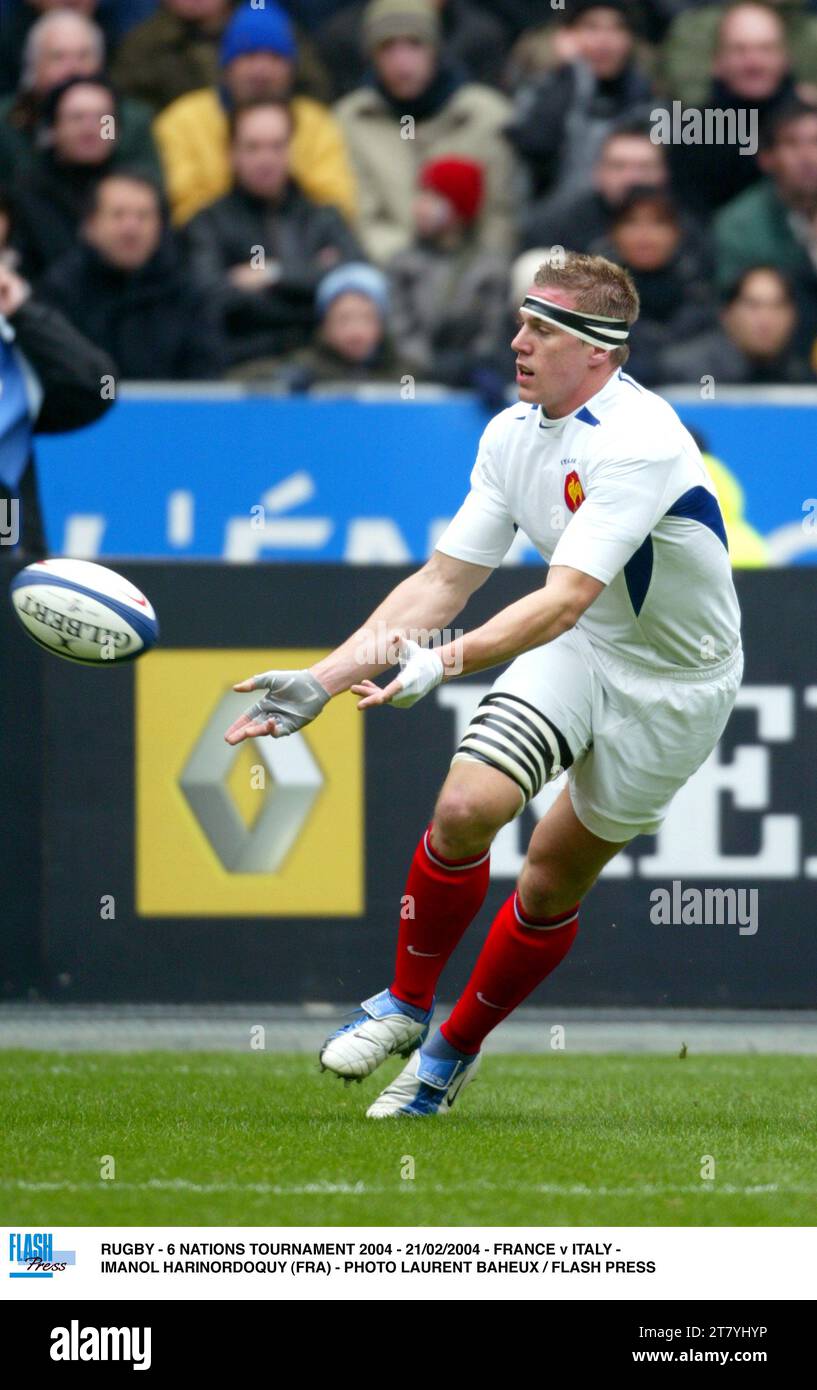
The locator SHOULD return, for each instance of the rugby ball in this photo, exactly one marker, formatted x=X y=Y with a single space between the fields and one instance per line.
x=83 y=612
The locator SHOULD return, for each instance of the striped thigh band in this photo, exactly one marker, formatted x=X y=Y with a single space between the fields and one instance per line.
x=516 y=738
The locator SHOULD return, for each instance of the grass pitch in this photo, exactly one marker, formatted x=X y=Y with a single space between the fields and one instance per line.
x=263 y=1139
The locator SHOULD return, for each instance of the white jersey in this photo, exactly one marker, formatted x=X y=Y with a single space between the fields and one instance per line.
x=617 y=489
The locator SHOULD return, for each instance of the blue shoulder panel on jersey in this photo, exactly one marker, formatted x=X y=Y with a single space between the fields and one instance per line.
x=586 y=416
x=638 y=573
x=699 y=504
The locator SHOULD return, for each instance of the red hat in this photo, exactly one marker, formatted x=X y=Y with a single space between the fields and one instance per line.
x=459 y=180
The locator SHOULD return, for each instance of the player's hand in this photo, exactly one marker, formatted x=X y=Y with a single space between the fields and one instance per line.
x=292 y=699
x=254 y=278
x=14 y=291
x=420 y=670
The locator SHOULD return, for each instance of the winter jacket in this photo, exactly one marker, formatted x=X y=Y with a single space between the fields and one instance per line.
x=193 y=139
x=157 y=323
x=302 y=238
x=387 y=153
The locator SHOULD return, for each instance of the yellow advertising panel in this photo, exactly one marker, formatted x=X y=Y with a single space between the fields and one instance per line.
x=270 y=828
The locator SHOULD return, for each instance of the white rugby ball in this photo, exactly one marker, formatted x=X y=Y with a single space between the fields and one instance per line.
x=83 y=612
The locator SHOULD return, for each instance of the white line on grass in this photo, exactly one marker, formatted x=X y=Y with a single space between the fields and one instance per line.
x=361 y=1189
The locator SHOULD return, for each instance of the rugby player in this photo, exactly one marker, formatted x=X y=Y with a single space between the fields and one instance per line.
x=624 y=667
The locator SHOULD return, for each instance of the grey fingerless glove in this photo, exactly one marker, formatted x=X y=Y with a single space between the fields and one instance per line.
x=293 y=699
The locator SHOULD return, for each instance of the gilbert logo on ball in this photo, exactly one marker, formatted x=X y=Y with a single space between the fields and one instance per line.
x=83 y=612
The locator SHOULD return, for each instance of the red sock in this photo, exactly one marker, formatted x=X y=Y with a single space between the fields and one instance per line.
x=519 y=952
x=444 y=896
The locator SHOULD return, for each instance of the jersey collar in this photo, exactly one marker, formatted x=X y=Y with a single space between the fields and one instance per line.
x=589 y=411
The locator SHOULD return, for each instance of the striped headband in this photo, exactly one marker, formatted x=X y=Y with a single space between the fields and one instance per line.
x=592 y=328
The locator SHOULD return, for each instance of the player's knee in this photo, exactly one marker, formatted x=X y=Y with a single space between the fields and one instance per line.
x=463 y=823
x=543 y=891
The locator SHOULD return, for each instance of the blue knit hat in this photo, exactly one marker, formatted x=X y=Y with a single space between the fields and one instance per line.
x=252 y=30
x=355 y=277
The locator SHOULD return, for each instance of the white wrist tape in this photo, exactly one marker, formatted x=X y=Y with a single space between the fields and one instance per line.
x=420 y=670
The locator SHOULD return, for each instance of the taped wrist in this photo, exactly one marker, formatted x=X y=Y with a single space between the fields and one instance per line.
x=420 y=670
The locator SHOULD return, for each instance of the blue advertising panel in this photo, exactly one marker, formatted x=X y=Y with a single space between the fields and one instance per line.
x=257 y=477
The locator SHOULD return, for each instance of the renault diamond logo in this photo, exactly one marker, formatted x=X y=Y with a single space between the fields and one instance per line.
x=272 y=828
x=295 y=780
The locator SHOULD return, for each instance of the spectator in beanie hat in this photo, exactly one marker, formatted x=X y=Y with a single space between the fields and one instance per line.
x=351 y=343
x=458 y=182
x=470 y=36
x=257 y=63
x=416 y=106
x=448 y=294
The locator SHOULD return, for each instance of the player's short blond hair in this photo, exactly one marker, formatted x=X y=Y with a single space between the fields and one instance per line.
x=600 y=287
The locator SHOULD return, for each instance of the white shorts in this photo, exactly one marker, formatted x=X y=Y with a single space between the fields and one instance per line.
x=635 y=736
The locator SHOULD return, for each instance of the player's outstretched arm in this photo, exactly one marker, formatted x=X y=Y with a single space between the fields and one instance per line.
x=428 y=600
x=530 y=622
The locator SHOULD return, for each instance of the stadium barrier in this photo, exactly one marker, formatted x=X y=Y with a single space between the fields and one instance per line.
x=179 y=869
x=217 y=472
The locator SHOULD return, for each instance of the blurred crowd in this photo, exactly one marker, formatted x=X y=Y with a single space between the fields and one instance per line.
x=329 y=190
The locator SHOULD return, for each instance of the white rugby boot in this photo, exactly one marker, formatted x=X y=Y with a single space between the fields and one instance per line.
x=385 y=1026
x=425 y=1086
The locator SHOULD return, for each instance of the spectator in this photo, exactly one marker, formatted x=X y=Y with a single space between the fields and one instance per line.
x=257 y=62
x=352 y=342
x=52 y=382
x=173 y=52
x=79 y=124
x=61 y=45
x=670 y=268
x=176 y=51
x=754 y=343
x=448 y=296
x=413 y=90
x=752 y=77
x=470 y=38
x=17 y=22
x=560 y=120
x=690 y=46
x=9 y=255
x=125 y=287
x=748 y=549
x=264 y=246
x=516 y=15
x=119 y=16
x=775 y=221
x=628 y=159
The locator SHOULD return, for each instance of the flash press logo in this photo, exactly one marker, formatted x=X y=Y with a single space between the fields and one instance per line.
x=32 y=1255
x=75 y=1343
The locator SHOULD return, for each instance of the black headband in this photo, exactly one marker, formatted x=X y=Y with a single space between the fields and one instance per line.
x=592 y=328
